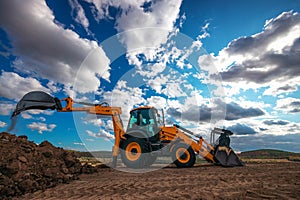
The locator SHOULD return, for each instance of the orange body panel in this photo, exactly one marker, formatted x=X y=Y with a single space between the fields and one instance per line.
x=202 y=147
x=171 y=133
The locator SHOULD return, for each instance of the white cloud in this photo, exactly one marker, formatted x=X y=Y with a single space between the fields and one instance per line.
x=172 y=83
x=43 y=119
x=53 y=86
x=6 y=108
x=277 y=88
x=157 y=101
x=151 y=70
x=173 y=89
x=37 y=112
x=50 y=51
x=90 y=119
x=28 y=114
x=287 y=37
x=41 y=127
x=145 y=30
x=288 y=105
x=101 y=134
x=79 y=143
x=267 y=59
x=13 y=86
x=140 y=14
x=101 y=8
x=204 y=31
x=79 y=14
x=2 y=124
x=125 y=97
x=25 y=115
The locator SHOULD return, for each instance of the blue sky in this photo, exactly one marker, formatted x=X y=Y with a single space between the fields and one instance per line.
x=232 y=64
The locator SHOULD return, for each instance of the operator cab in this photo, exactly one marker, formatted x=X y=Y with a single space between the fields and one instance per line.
x=145 y=122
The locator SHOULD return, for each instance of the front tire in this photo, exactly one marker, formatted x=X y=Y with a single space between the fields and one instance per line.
x=183 y=155
x=133 y=152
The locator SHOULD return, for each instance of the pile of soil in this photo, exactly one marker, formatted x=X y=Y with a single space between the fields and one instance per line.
x=27 y=167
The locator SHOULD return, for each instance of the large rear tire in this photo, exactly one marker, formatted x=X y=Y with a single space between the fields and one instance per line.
x=133 y=152
x=183 y=155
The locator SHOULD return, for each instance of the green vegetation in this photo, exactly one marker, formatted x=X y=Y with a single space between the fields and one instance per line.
x=270 y=154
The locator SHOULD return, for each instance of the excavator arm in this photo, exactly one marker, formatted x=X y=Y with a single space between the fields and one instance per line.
x=100 y=109
x=43 y=101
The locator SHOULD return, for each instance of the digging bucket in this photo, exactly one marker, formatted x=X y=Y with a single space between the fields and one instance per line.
x=36 y=100
x=227 y=157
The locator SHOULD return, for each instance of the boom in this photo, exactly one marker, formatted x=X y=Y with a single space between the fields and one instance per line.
x=100 y=109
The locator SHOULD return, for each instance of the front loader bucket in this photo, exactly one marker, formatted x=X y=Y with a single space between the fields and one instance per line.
x=227 y=158
x=36 y=100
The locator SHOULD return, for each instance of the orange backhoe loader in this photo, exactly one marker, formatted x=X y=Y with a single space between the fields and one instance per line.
x=146 y=136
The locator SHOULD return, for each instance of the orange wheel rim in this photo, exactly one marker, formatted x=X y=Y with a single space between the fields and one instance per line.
x=133 y=151
x=182 y=155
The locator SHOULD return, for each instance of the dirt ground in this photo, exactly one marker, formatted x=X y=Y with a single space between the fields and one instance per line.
x=255 y=181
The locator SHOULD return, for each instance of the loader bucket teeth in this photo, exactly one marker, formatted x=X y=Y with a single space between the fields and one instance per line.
x=35 y=100
x=227 y=158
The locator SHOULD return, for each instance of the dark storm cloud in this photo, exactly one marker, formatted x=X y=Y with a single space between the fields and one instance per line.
x=241 y=129
x=263 y=129
x=288 y=88
x=275 y=122
x=174 y=112
x=287 y=66
x=294 y=128
x=273 y=29
x=233 y=111
x=265 y=65
x=295 y=103
x=194 y=113
x=295 y=110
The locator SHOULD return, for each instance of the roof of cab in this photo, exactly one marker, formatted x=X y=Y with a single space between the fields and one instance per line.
x=141 y=108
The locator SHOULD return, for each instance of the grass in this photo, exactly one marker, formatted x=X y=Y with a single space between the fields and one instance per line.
x=269 y=154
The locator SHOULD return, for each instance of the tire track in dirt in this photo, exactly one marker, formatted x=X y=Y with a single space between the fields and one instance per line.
x=255 y=181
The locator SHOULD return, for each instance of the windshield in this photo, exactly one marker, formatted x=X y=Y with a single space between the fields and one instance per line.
x=144 y=117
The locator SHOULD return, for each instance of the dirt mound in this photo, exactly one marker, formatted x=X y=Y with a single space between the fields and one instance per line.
x=27 y=167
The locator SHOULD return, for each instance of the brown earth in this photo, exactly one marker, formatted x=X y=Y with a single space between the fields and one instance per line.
x=47 y=172
x=255 y=181
x=27 y=167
